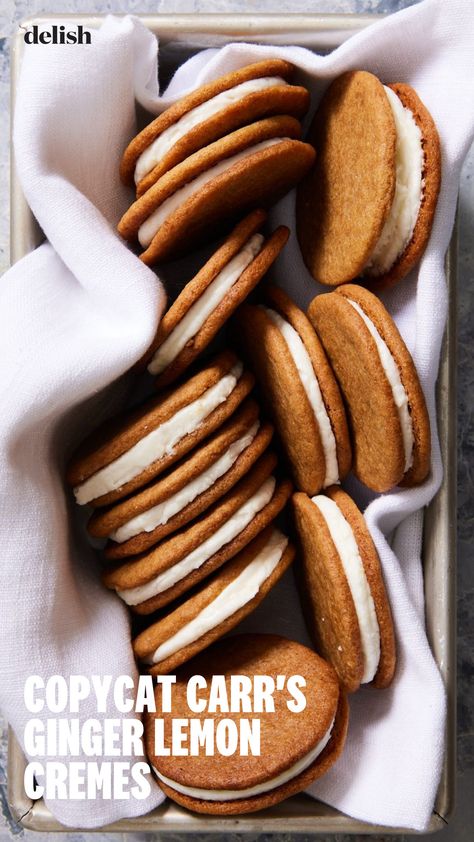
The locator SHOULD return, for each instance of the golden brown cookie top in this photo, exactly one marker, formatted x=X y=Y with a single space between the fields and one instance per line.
x=285 y=736
x=344 y=202
x=328 y=596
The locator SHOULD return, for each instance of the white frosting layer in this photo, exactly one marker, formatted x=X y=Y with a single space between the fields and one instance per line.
x=398 y=390
x=400 y=223
x=162 y=512
x=348 y=551
x=167 y=139
x=311 y=386
x=159 y=442
x=151 y=225
x=197 y=314
x=197 y=557
x=258 y=789
x=237 y=594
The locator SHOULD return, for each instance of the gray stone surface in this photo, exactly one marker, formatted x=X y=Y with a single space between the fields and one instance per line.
x=460 y=828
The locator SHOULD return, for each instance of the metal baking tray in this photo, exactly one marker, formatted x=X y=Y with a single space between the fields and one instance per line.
x=179 y=35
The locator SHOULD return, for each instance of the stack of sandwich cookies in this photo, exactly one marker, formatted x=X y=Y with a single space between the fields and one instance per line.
x=134 y=449
x=343 y=591
x=207 y=301
x=251 y=167
x=384 y=400
x=296 y=748
x=368 y=206
x=301 y=391
x=208 y=113
x=218 y=606
x=172 y=567
x=197 y=482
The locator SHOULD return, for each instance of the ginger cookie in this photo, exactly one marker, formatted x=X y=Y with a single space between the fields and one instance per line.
x=386 y=408
x=186 y=491
x=128 y=452
x=211 y=111
x=300 y=389
x=207 y=301
x=343 y=591
x=251 y=167
x=172 y=567
x=218 y=606
x=367 y=208
x=297 y=745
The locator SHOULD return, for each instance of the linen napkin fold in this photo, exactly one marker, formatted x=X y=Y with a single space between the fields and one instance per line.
x=79 y=310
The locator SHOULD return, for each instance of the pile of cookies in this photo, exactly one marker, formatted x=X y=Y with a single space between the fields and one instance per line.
x=186 y=488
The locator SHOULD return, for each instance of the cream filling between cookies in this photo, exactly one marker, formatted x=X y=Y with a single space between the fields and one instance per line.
x=235 y=794
x=348 y=551
x=159 y=442
x=399 y=394
x=313 y=391
x=195 y=559
x=409 y=161
x=233 y=597
x=167 y=139
x=197 y=314
x=164 y=511
x=149 y=228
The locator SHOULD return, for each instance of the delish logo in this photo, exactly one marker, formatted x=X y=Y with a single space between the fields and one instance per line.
x=56 y=34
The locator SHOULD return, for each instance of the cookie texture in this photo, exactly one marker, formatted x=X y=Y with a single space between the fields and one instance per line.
x=144 y=568
x=285 y=737
x=378 y=450
x=104 y=523
x=343 y=204
x=117 y=436
x=149 y=640
x=266 y=350
x=257 y=180
x=241 y=288
x=328 y=602
x=219 y=124
x=413 y=252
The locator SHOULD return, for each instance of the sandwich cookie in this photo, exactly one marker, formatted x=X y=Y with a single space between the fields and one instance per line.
x=185 y=492
x=258 y=90
x=218 y=606
x=343 y=590
x=301 y=391
x=122 y=456
x=368 y=206
x=296 y=747
x=208 y=300
x=154 y=579
x=385 y=405
x=252 y=167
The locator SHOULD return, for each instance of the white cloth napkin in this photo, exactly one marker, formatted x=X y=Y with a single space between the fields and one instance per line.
x=78 y=311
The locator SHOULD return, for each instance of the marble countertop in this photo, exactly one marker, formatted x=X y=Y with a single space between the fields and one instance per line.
x=12 y=11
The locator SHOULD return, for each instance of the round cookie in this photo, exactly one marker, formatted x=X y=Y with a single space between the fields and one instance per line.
x=198 y=481
x=296 y=748
x=386 y=408
x=367 y=208
x=124 y=454
x=301 y=392
x=156 y=578
x=343 y=203
x=218 y=606
x=251 y=167
x=211 y=111
x=207 y=301
x=343 y=591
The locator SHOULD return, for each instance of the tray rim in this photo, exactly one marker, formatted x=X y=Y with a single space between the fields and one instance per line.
x=289 y=816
